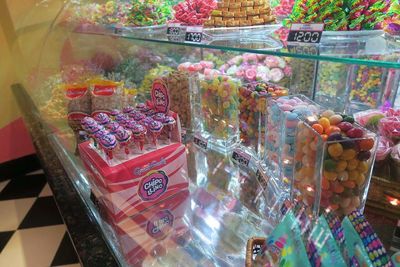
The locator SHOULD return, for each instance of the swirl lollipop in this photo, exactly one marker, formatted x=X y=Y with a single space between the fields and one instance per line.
x=102 y=118
x=121 y=119
x=88 y=122
x=139 y=135
x=113 y=126
x=155 y=128
x=142 y=107
x=123 y=137
x=139 y=117
x=128 y=109
x=159 y=117
x=115 y=112
x=108 y=142
x=146 y=121
x=169 y=124
x=130 y=124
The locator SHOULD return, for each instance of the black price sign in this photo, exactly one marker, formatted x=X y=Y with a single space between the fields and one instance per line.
x=200 y=142
x=305 y=33
x=262 y=178
x=194 y=34
x=175 y=32
x=241 y=157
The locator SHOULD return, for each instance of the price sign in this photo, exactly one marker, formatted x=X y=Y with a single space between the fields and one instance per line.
x=200 y=142
x=241 y=157
x=305 y=33
x=175 y=32
x=194 y=34
x=304 y=49
x=262 y=178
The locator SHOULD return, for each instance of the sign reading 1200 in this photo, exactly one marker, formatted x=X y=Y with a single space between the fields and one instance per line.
x=305 y=33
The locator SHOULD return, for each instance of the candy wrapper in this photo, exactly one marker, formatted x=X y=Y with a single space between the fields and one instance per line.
x=390 y=127
x=363 y=244
x=106 y=95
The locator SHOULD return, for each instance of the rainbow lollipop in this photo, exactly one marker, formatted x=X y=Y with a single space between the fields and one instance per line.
x=123 y=137
x=155 y=128
x=102 y=118
x=113 y=126
x=139 y=134
x=108 y=142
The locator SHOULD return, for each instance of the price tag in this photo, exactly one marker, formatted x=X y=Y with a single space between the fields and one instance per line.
x=304 y=49
x=200 y=142
x=305 y=33
x=175 y=32
x=241 y=157
x=262 y=178
x=194 y=34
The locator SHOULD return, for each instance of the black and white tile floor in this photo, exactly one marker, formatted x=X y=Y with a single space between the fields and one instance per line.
x=32 y=233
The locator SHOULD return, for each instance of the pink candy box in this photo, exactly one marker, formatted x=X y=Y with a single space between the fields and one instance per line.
x=155 y=230
x=139 y=183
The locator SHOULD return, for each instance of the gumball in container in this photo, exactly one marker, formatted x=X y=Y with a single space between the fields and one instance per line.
x=333 y=162
x=252 y=111
x=218 y=118
x=283 y=115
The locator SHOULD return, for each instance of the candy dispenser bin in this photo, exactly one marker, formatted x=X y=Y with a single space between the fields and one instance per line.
x=282 y=117
x=303 y=77
x=366 y=88
x=252 y=110
x=218 y=118
x=333 y=163
x=331 y=85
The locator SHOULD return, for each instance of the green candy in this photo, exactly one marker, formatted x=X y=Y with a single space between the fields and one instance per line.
x=330 y=165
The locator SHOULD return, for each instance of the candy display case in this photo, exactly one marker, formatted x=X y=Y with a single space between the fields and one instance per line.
x=221 y=98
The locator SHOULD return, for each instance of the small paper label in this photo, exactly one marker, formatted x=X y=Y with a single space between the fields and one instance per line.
x=305 y=33
x=104 y=90
x=159 y=96
x=194 y=34
x=153 y=185
x=241 y=157
x=200 y=142
x=72 y=93
x=160 y=225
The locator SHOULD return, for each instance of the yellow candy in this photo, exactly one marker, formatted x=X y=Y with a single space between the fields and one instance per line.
x=341 y=165
x=331 y=176
x=360 y=179
x=226 y=104
x=348 y=154
x=352 y=164
x=362 y=167
x=324 y=122
x=335 y=150
x=354 y=175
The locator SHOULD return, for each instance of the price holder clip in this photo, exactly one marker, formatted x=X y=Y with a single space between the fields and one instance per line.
x=240 y=157
x=194 y=34
x=200 y=142
x=305 y=33
x=175 y=32
x=261 y=177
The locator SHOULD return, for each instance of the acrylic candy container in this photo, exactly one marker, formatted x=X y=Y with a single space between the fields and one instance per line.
x=252 y=111
x=218 y=118
x=333 y=163
x=282 y=117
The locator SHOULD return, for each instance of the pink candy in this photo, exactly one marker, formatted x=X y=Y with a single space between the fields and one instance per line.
x=194 y=12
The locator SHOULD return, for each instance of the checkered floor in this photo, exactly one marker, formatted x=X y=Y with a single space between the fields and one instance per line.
x=32 y=233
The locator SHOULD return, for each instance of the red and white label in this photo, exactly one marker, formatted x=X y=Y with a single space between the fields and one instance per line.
x=76 y=92
x=159 y=96
x=104 y=90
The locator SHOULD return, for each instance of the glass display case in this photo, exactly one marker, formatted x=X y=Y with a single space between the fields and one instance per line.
x=190 y=150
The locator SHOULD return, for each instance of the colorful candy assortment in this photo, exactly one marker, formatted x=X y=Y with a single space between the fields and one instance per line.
x=366 y=87
x=283 y=115
x=341 y=15
x=331 y=85
x=219 y=107
x=261 y=68
x=194 y=12
x=252 y=108
x=302 y=81
x=240 y=13
x=333 y=160
x=128 y=131
x=150 y=12
x=283 y=9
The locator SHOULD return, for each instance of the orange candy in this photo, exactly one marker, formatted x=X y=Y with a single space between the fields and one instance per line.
x=338 y=188
x=324 y=137
x=324 y=122
x=332 y=129
x=349 y=184
x=325 y=184
x=318 y=128
x=366 y=144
